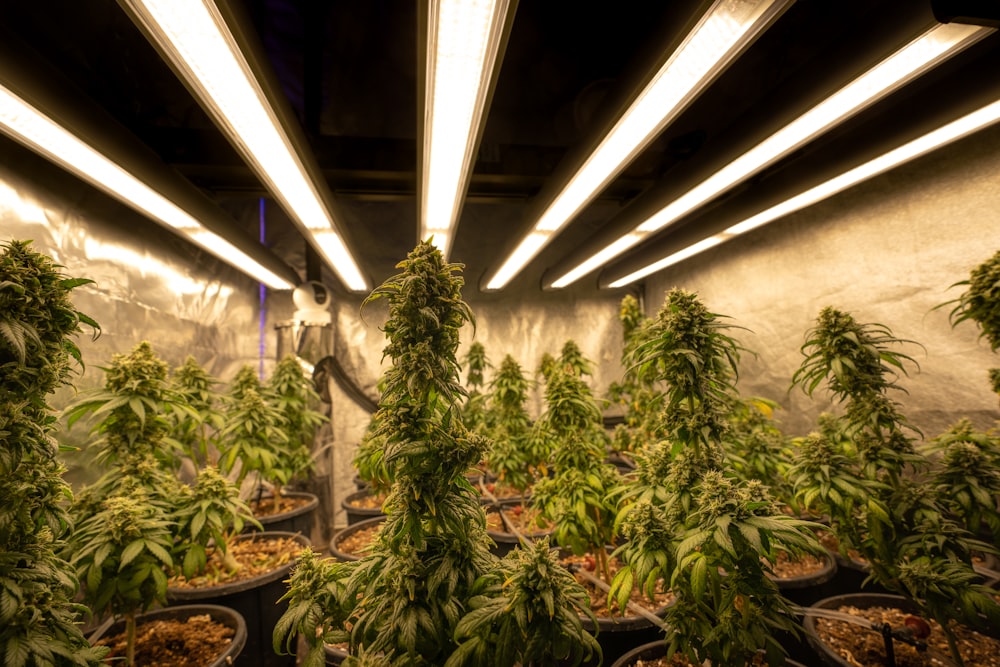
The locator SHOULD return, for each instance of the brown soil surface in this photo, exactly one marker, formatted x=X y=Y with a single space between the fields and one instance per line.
x=526 y=520
x=599 y=597
x=865 y=648
x=266 y=506
x=677 y=661
x=369 y=502
x=359 y=540
x=256 y=556
x=788 y=567
x=196 y=642
x=500 y=491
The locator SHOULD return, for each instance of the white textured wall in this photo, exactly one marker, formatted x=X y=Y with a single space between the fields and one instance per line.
x=885 y=251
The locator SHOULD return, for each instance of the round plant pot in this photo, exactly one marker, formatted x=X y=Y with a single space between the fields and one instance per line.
x=256 y=599
x=658 y=649
x=219 y=614
x=338 y=538
x=806 y=589
x=298 y=520
x=989 y=570
x=356 y=511
x=504 y=540
x=624 y=463
x=334 y=655
x=619 y=635
x=823 y=650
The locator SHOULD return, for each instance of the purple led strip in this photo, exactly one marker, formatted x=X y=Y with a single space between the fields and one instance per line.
x=262 y=294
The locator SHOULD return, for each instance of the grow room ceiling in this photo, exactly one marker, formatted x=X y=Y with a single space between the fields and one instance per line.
x=346 y=80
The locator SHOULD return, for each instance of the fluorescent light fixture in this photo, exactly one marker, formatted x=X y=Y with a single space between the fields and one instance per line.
x=953 y=131
x=462 y=46
x=196 y=39
x=29 y=126
x=721 y=34
x=920 y=55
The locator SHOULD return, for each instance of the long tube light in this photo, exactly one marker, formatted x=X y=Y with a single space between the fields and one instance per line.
x=31 y=127
x=463 y=43
x=923 y=53
x=198 y=42
x=717 y=39
x=946 y=134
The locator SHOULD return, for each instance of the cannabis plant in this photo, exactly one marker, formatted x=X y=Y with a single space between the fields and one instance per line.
x=571 y=357
x=474 y=411
x=575 y=497
x=403 y=601
x=514 y=459
x=528 y=612
x=122 y=553
x=966 y=476
x=687 y=527
x=369 y=462
x=636 y=393
x=877 y=496
x=131 y=411
x=980 y=302
x=318 y=610
x=254 y=441
x=756 y=448
x=39 y=619
x=195 y=429
x=208 y=515
x=294 y=396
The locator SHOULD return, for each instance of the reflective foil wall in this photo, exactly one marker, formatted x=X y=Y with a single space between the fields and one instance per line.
x=149 y=285
x=526 y=326
x=886 y=251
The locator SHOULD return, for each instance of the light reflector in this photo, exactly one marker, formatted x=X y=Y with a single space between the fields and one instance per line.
x=29 y=126
x=721 y=34
x=953 y=131
x=463 y=46
x=197 y=41
x=921 y=54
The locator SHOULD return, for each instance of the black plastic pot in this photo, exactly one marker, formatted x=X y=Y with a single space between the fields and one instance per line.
x=356 y=513
x=256 y=599
x=624 y=463
x=807 y=589
x=299 y=520
x=346 y=532
x=658 y=649
x=617 y=636
x=220 y=614
x=506 y=541
x=860 y=600
x=333 y=655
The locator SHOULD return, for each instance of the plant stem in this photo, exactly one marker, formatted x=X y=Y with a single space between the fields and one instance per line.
x=631 y=606
x=602 y=552
x=953 y=646
x=130 y=638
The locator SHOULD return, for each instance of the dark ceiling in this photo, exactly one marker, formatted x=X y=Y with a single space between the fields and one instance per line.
x=349 y=70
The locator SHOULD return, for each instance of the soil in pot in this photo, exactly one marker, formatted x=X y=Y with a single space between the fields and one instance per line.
x=496 y=490
x=652 y=655
x=267 y=559
x=524 y=519
x=843 y=643
x=617 y=632
x=362 y=505
x=295 y=514
x=186 y=636
x=805 y=578
x=351 y=542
